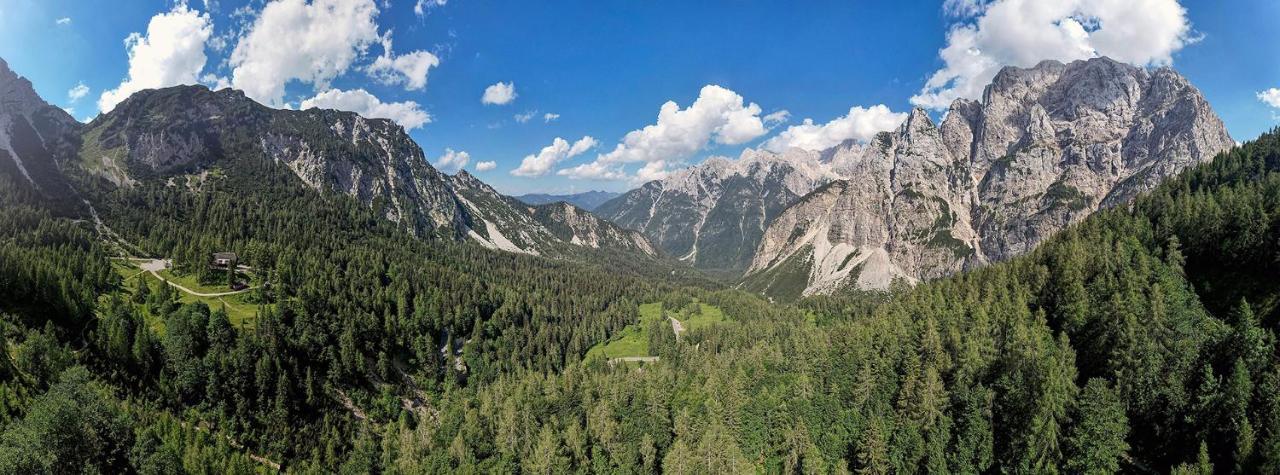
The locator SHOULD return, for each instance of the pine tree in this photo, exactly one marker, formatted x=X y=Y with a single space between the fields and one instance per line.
x=1097 y=440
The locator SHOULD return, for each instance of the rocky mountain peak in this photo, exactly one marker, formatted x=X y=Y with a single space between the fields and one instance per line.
x=1045 y=147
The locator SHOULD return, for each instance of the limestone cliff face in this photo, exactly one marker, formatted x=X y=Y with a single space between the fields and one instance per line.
x=190 y=131
x=712 y=215
x=1044 y=148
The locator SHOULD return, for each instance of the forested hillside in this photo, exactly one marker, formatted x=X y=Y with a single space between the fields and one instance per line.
x=1140 y=340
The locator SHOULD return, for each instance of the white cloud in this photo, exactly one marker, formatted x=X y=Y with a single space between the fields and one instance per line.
x=499 y=94
x=1271 y=97
x=409 y=69
x=559 y=150
x=71 y=111
x=522 y=118
x=718 y=115
x=424 y=6
x=78 y=92
x=63 y=21
x=295 y=40
x=171 y=53
x=595 y=171
x=486 y=166
x=215 y=81
x=452 y=161
x=548 y=117
x=777 y=118
x=1021 y=33
x=408 y=114
x=860 y=124
x=962 y=8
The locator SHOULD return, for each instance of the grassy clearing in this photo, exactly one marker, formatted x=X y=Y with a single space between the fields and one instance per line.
x=190 y=282
x=240 y=312
x=633 y=340
x=707 y=315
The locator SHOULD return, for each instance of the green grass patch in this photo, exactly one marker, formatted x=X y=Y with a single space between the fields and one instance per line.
x=191 y=282
x=707 y=315
x=633 y=340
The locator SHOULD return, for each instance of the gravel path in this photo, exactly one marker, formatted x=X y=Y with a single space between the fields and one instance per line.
x=154 y=266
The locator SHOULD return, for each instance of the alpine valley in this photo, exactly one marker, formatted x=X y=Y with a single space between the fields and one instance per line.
x=1077 y=273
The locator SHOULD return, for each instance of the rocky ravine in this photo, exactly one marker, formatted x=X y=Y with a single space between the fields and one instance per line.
x=1044 y=148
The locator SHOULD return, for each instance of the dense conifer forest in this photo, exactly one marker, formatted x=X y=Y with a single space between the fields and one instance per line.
x=1142 y=340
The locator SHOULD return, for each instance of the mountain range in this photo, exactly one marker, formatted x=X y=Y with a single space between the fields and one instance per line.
x=1045 y=147
x=189 y=135
x=588 y=200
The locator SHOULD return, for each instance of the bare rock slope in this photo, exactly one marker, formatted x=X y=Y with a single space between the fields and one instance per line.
x=1044 y=148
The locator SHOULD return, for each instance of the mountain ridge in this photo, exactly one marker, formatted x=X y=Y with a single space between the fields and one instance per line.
x=186 y=135
x=587 y=200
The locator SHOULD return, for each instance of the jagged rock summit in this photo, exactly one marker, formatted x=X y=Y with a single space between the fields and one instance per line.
x=1045 y=147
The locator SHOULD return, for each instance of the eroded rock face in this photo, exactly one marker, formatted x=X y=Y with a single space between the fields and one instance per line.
x=712 y=215
x=1044 y=148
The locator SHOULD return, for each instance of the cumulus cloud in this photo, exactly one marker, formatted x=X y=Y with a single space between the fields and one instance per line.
x=486 y=166
x=499 y=94
x=777 y=118
x=559 y=150
x=424 y=6
x=548 y=117
x=78 y=92
x=1271 y=97
x=859 y=124
x=452 y=161
x=999 y=33
x=408 y=114
x=409 y=69
x=63 y=21
x=719 y=115
x=309 y=42
x=171 y=53
x=522 y=118
x=594 y=171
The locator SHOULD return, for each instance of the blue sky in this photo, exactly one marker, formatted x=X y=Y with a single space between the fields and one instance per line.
x=605 y=68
